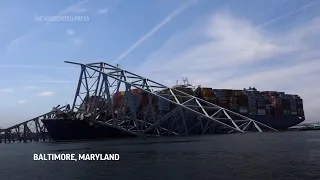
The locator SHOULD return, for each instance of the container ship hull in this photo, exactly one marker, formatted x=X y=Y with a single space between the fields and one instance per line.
x=69 y=129
x=279 y=123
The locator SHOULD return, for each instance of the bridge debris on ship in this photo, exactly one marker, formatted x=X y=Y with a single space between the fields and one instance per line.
x=96 y=101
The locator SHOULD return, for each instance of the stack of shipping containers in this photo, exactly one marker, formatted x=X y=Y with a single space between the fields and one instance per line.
x=252 y=102
x=300 y=107
x=233 y=103
x=243 y=104
x=208 y=95
x=136 y=99
x=163 y=105
x=144 y=99
x=267 y=106
x=118 y=99
x=249 y=103
x=235 y=99
x=286 y=105
x=182 y=97
x=261 y=105
x=222 y=99
x=293 y=104
x=277 y=102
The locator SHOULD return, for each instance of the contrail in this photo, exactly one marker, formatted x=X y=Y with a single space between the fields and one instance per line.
x=156 y=28
x=288 y=14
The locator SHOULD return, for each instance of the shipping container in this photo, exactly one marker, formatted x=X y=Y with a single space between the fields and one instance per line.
x=243 y=110
x=144 y=99
x=223 y=102
x=229 y=93
x=270 y=93
x=293 y=106
x=281 y=94
x=268 y=113
x=208 y=95
x=300 y=112
x=237 y=93
x=224 y=105
x=276 y=100
x=261 y=112
x=286 y=112
x=286 y=103
x=279 y=110
x=300 y=106
x=210 y=99
x=243 y=100
x=234 y=107
x=253 y=112
x=149 y=111
x=268 y=106
x=163 y=105
x=233 y=101
x=222 y=99
x=207 y=91
x=134 y=102
x=135 y=91
x=233 y=98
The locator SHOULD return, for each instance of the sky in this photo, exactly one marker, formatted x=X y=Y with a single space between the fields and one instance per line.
x=271 y=45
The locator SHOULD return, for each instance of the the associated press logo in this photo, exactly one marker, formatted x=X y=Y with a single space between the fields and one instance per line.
x=61 y=18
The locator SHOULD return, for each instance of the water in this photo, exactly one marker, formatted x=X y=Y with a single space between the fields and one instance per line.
x=259 y=156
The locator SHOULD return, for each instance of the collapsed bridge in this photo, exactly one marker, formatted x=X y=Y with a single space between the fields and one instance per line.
x=187 y=114
x=109 y=96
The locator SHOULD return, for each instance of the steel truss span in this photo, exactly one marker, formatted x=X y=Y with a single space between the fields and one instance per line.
x=100 y=83
x=31 y=130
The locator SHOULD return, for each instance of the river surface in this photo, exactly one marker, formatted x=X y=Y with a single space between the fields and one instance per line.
x=258 y=156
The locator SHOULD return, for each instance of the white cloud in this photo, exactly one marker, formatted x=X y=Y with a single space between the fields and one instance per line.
x=103 y=11
x=236 y=54
x=21 y=102
x=46 y=93
x=6 y=90
x=70 y=32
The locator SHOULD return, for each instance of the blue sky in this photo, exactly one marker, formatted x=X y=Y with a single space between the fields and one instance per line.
x=272 y=45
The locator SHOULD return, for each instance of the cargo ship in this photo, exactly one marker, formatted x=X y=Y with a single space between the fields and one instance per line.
x=275 y=109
